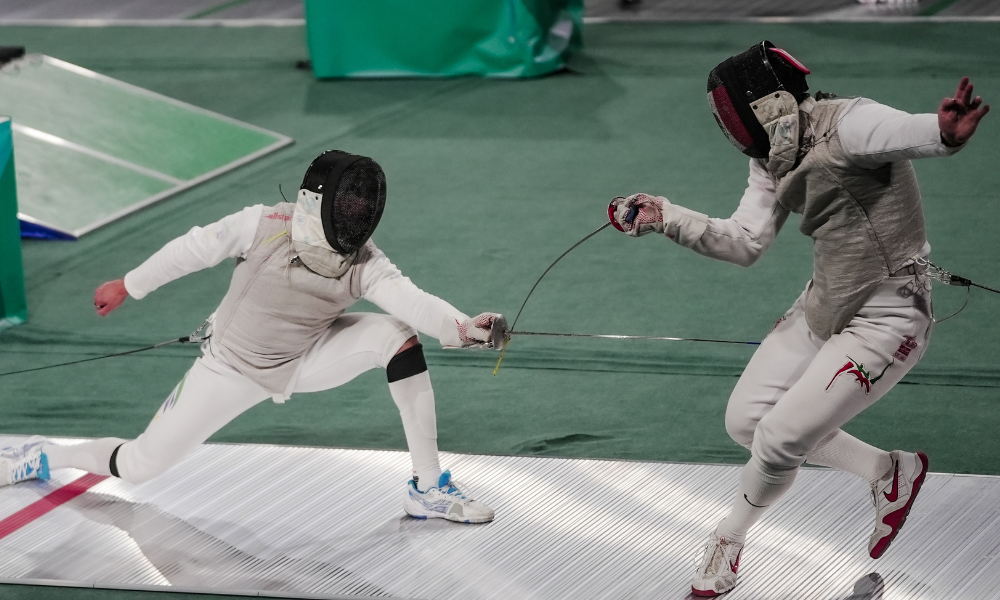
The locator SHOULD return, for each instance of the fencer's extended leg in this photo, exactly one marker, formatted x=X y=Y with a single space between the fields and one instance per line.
x=93 y=457
x=410 y=386
x=846 y=375
x=358 y=342
x=761 y=485
x=210 y=395
x=781 y=360
x=431 y=493
x=775 y=366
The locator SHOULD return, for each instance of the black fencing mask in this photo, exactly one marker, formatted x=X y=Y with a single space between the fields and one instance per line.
x=340 y=203
x=744 y=90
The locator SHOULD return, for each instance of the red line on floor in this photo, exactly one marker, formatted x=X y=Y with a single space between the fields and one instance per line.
x=48 y=502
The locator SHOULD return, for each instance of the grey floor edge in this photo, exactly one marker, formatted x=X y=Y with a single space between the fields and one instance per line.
x=280 y=521
x=291 y=12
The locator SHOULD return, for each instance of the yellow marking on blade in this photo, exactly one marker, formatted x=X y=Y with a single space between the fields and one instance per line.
x=274 y=237
x=502 y=352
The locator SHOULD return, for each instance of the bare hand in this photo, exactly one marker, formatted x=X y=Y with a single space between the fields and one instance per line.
x=958 y=117
x=110 y=296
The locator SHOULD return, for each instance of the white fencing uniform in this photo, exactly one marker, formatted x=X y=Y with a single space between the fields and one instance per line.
x=798 y=389
x=785 y=403
x=213 y=393
x=279 y=330
x=865 y=317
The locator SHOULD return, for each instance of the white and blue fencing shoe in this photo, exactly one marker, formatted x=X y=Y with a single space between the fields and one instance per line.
x=23 y=462
x=446 y=501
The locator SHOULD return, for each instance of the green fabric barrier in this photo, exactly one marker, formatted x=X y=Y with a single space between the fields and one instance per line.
x=13 y=306
x=394 y=38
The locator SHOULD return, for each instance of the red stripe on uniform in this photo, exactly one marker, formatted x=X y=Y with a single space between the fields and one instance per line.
x=44 y=505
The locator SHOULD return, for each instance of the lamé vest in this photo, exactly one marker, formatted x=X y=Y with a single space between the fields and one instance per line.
x=275 y=308
x=865 y=223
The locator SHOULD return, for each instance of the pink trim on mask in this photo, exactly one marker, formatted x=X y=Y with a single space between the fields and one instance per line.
x=729 y=119
x=794 y=61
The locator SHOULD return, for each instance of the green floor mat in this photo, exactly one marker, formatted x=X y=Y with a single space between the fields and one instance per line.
x=91 y=148
x=488 y=182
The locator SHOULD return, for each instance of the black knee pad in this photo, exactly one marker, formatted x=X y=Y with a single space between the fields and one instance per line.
x=407 y=363
x=113 y=463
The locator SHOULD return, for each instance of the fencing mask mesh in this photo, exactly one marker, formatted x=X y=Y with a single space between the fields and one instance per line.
x=739 y=81
x=340 y=203
x=353 y=191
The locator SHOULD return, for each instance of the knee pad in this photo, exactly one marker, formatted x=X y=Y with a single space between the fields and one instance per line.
x=113 y=462
x=406 y=364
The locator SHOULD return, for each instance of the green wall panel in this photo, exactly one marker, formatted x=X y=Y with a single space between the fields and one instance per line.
x=13 y=307
x=393 y=38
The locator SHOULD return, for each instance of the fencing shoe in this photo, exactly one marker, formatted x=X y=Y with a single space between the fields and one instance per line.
x=23 y=462
x=717 y=567
x=446 y=501
x=893 y=495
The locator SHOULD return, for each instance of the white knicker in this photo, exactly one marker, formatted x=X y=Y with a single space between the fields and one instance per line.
x=797 y=389
x=212 y=393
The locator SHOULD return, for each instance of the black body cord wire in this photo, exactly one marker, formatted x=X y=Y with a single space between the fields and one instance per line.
x=182 y=340
x=933 y=271
x=197 y=336
x=937 y=273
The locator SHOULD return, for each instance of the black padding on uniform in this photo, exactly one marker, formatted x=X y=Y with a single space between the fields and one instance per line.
x=407 y=363
x=113 y=463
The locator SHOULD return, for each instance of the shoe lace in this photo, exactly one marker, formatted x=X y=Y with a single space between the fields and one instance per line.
x=24 y=468
x=709 y=557
x=454 y=488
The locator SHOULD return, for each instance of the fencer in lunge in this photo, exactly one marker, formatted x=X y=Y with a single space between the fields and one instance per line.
x=281 y=329
x=863 y=320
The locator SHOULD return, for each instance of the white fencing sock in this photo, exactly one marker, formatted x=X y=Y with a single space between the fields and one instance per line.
x=843 y=451
x=93 y=457
x=761 y=485
x=410 y=386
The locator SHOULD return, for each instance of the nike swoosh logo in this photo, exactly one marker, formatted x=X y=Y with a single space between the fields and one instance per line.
x=751 y=503
x=736 y=565
x=893 y=494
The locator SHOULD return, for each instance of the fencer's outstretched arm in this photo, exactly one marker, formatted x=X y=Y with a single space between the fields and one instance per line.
x=199 y=248
x=741 y=239
x=385 y=286
x=873 y=134
x=749 y=232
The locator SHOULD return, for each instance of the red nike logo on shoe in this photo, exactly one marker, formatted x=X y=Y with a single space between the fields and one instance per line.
x=892 y=495
x=736 y=565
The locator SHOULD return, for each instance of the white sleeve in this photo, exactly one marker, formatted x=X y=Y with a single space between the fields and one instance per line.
x=384 y=285
x=198 y=249
x=873 y=134
x=744 y=237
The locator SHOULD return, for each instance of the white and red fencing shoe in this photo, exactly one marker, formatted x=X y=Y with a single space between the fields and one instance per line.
x=717 y=567
x=893 y=496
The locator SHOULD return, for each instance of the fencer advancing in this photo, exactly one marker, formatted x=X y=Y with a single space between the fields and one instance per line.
x=864 y=318
x=281 y=329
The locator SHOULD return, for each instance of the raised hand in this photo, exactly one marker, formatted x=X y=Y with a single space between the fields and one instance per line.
x=110 y=296
x=958 y=117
